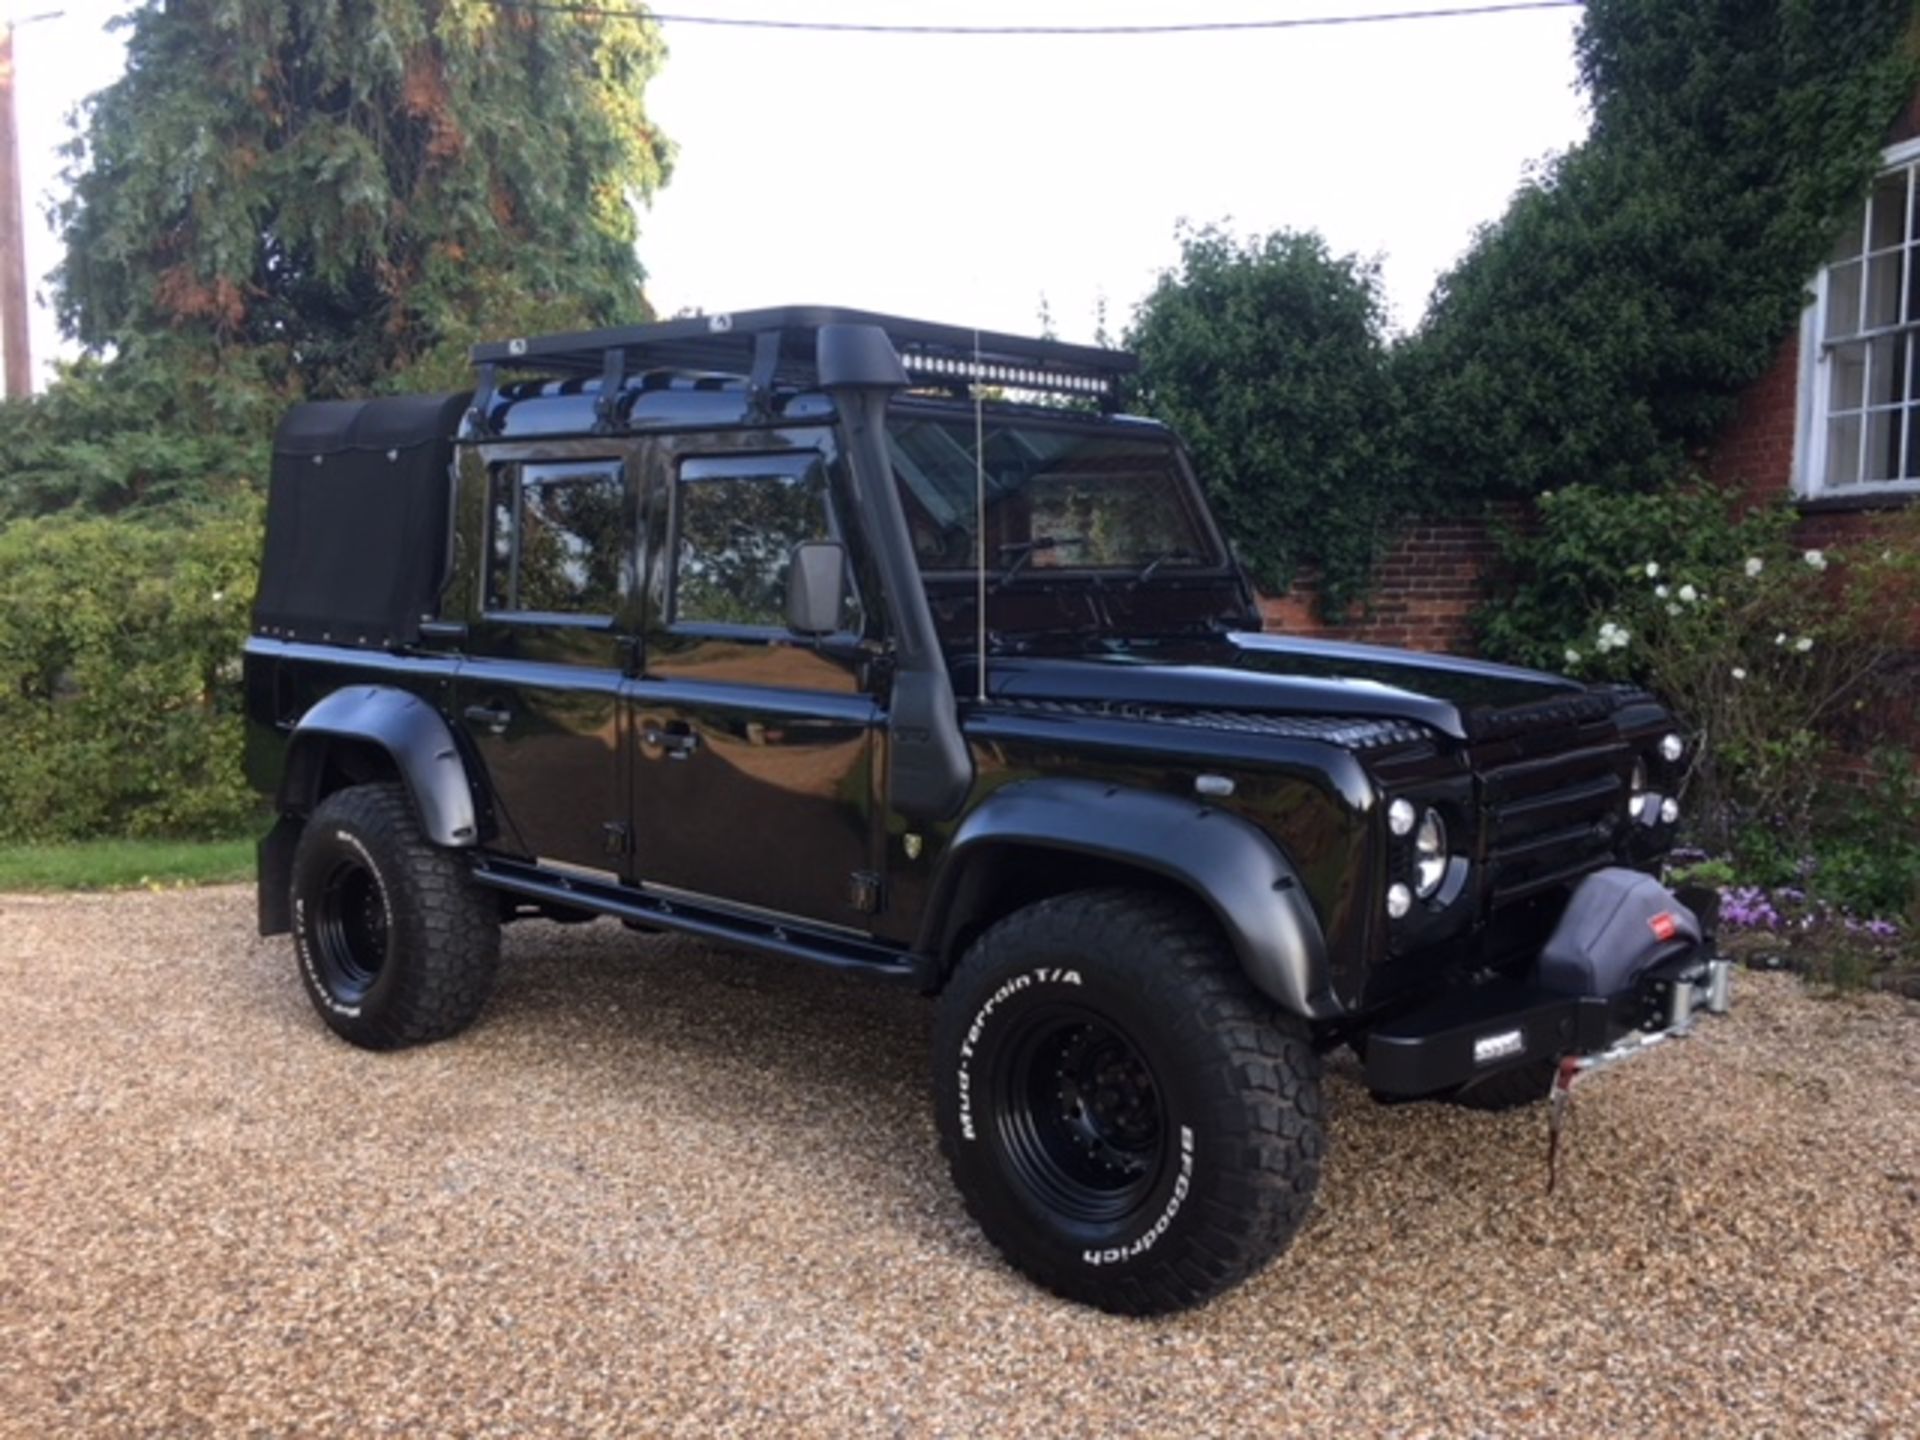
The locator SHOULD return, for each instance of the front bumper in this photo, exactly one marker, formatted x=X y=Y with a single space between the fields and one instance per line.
x=1471 y=1033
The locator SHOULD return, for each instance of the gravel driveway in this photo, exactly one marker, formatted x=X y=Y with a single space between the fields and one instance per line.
x=664 y=1188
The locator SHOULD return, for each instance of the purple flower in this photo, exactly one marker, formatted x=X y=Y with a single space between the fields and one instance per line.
x=1748 y=907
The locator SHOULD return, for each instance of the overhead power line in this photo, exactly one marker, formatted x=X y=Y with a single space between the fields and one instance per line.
x=1299 y=22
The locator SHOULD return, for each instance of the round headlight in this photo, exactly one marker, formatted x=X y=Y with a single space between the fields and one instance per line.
x=1399 y=901
x=1669 y=811
x=1429 y=855
x=1638 y=796
x=1400 y=817
x=1672 y=747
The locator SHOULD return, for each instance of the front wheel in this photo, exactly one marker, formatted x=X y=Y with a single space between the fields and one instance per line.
x=1128 y=1120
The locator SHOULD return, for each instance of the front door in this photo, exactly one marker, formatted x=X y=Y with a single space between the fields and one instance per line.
x=755 y=750
x=539 y=695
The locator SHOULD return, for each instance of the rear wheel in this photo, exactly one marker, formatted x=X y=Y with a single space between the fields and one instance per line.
x=397 y=944
x=1129 y=1121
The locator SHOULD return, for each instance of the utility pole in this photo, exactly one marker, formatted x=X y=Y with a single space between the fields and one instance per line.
x=13 y=238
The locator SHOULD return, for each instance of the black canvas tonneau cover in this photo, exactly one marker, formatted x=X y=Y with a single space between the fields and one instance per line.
x=359 y=509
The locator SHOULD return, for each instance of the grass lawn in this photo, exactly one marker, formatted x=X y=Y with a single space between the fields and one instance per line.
x=119 y=864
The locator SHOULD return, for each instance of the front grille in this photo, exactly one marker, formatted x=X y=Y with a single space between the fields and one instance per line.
x=1552 y=819
x=1542 y=717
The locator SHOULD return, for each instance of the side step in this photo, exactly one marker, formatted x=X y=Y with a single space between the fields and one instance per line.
x=793 y=940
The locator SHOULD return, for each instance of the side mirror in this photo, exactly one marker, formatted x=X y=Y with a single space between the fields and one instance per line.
x=816 y=587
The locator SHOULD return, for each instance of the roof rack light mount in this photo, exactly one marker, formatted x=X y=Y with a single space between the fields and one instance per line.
x=776 y=346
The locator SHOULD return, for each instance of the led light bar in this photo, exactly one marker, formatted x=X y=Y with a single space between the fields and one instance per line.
x=1014 y=377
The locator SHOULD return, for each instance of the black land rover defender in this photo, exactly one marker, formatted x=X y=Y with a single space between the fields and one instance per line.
x=768 y=628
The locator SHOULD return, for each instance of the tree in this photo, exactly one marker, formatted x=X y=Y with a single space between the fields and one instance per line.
x=344 y=191
x=1268 y=357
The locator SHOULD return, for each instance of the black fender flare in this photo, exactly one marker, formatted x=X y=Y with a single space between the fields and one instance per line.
x=415 y=738
x=1225 y=861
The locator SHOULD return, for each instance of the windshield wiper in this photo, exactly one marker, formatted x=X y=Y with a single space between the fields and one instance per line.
x=1024 y=550
x=1163 y=557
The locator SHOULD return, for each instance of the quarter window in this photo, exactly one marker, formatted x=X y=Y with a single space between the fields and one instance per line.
x=1861 y=394
x=557 y=539
x=737 y=520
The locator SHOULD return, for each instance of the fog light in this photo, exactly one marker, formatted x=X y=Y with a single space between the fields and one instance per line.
x=1400 y=817
x=1399 y=901
x=1498 y=1046
x=1669 y=810
x=1672 y=747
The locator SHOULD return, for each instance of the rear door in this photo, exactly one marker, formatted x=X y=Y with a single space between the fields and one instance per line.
x=539 y=695
x=754 y=749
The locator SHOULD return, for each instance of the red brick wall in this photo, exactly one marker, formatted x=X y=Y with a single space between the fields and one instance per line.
x=1424 y=591
x=1755 y=451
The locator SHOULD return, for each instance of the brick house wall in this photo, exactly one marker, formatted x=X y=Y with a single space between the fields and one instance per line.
x=1424 y=590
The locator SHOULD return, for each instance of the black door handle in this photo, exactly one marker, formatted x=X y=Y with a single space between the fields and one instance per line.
x=495 y=719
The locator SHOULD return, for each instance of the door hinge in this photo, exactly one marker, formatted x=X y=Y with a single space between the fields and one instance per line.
x=617 y=837
x=864 y=891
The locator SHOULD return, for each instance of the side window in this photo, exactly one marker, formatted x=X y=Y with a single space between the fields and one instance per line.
x=557 y=537
x=736 y=521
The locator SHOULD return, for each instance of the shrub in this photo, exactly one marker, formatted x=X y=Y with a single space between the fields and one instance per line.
x=1763 y=651
x=1584 y=555
x=119 y=675
x=1869 y=860
x=1269 y=357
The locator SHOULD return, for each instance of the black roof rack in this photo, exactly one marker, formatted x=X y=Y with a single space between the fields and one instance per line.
x=776 y=346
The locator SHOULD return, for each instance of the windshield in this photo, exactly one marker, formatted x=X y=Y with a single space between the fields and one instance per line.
x=1057 y=499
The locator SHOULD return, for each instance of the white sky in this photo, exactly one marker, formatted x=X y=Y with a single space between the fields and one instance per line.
x=961 y=178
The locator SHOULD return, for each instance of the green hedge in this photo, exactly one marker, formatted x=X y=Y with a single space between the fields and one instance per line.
x=120 y=675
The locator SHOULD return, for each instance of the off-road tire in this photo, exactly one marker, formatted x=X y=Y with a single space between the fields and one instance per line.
x=422 y=940
x=1514 y=1088
x=1232 y=1082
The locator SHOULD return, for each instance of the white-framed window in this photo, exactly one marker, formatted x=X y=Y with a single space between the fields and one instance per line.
x=1860 y=348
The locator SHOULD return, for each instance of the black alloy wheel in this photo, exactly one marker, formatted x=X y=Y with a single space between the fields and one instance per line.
x=1080 y=1121
x=350 y=930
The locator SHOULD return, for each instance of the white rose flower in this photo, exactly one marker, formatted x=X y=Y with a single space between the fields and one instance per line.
x=1803 y=644
x=1817 y=559
x=1653 y=570
x=1738 y=673
x=1755 y=565
x=1660 y=592
x=1781 y=638
x=1689 y=594
x=1672 y=609
x=218 y=596
x=1573 y=656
